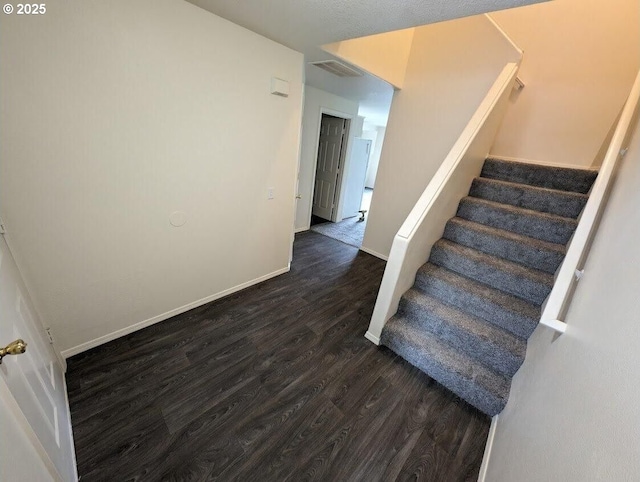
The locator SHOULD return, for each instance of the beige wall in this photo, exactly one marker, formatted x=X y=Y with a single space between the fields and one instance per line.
x=384 y=55
x=315 y=100
x=117 y=114
x=451 y=68
x=573 y=413
x=580 y=59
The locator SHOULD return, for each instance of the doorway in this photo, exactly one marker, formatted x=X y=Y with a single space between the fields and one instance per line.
x=332 y=146
x=350 y=229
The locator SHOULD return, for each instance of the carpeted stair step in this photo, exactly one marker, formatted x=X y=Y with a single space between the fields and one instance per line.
x=524 y=250
x=474 y=304
x=529 y=284
x=481 y=387
x=492 y=346
x=561 y=203
x=560 y=178
x=500 y=308
x=543 y=226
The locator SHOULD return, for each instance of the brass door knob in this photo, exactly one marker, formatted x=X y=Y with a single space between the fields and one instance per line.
x=14 y=348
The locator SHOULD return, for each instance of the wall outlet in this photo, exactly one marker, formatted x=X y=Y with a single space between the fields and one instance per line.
x=270 y=193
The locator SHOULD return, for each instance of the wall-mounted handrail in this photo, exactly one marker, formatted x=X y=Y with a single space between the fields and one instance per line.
x=572 y=267
x=438 y=203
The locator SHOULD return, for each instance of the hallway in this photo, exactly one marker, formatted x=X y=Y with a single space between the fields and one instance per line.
x=349 y=230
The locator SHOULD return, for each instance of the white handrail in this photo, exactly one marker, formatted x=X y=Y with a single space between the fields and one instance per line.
x=438 y=203
x=560 y=296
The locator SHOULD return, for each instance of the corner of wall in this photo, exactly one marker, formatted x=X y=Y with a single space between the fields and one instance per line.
x=504 y=34
x=384 y=55
x=430 y=113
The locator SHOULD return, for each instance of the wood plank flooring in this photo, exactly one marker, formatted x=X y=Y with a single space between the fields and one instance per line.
x=273 y=383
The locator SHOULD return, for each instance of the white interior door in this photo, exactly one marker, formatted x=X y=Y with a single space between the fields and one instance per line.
x=33 y=402
x=332 y=130
x=356 y=177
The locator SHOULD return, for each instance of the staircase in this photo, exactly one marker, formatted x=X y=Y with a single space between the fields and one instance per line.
x=466 y=320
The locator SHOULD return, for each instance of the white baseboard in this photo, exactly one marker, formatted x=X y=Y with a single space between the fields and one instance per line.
x=538 y=163
x=372 y=338
x=487 y=450
x=374 y=253
x=299 y=230
x=164 y=316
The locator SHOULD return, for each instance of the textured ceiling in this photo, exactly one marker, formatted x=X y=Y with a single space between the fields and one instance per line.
x=305 y=25
x=301 y=24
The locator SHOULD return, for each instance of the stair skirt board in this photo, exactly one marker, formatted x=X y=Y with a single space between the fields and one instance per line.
x=474 y=304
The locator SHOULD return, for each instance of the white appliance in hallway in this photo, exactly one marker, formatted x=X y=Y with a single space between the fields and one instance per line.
x=356 y=177
x=36 y=442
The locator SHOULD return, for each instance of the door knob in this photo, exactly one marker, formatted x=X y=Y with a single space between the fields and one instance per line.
x=14 y=348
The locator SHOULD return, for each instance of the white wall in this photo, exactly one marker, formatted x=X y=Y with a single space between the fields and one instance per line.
x=451 y=68
x=580 y=60
x=384 y=55
x=370 y=133
x=374 y=160
x=573 y=412
x=315 y=102
x=357 y=125
x=115 y=115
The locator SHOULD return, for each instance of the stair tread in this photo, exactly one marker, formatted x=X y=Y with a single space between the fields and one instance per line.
x=498 y=263
x=554 y=177
x=536 y=224
x=506 y=301
x=529 y=187
x=521 y=249
x=482 y=329
x=564 y=203
x=502 y=233
x=521 y=211
x=452 y=368
x=529 y=284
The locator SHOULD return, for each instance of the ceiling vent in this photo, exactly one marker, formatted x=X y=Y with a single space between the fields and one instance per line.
x=337 y=68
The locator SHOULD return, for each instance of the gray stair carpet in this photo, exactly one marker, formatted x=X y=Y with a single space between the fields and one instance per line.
x=474 y=304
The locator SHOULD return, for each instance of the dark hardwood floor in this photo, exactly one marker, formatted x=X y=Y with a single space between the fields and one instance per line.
x=276 y=382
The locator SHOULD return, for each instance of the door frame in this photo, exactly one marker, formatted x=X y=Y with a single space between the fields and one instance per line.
x=336 y=215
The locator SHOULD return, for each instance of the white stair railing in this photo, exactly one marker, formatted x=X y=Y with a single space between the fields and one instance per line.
x=572 y=268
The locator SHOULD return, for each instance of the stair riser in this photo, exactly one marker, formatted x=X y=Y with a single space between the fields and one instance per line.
x=483 y=308
x=560 y=203
x=552 y=230
x=484 y=351
x=462 y=386
x=524 y=288
x=526 y=255
x=542 y=176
